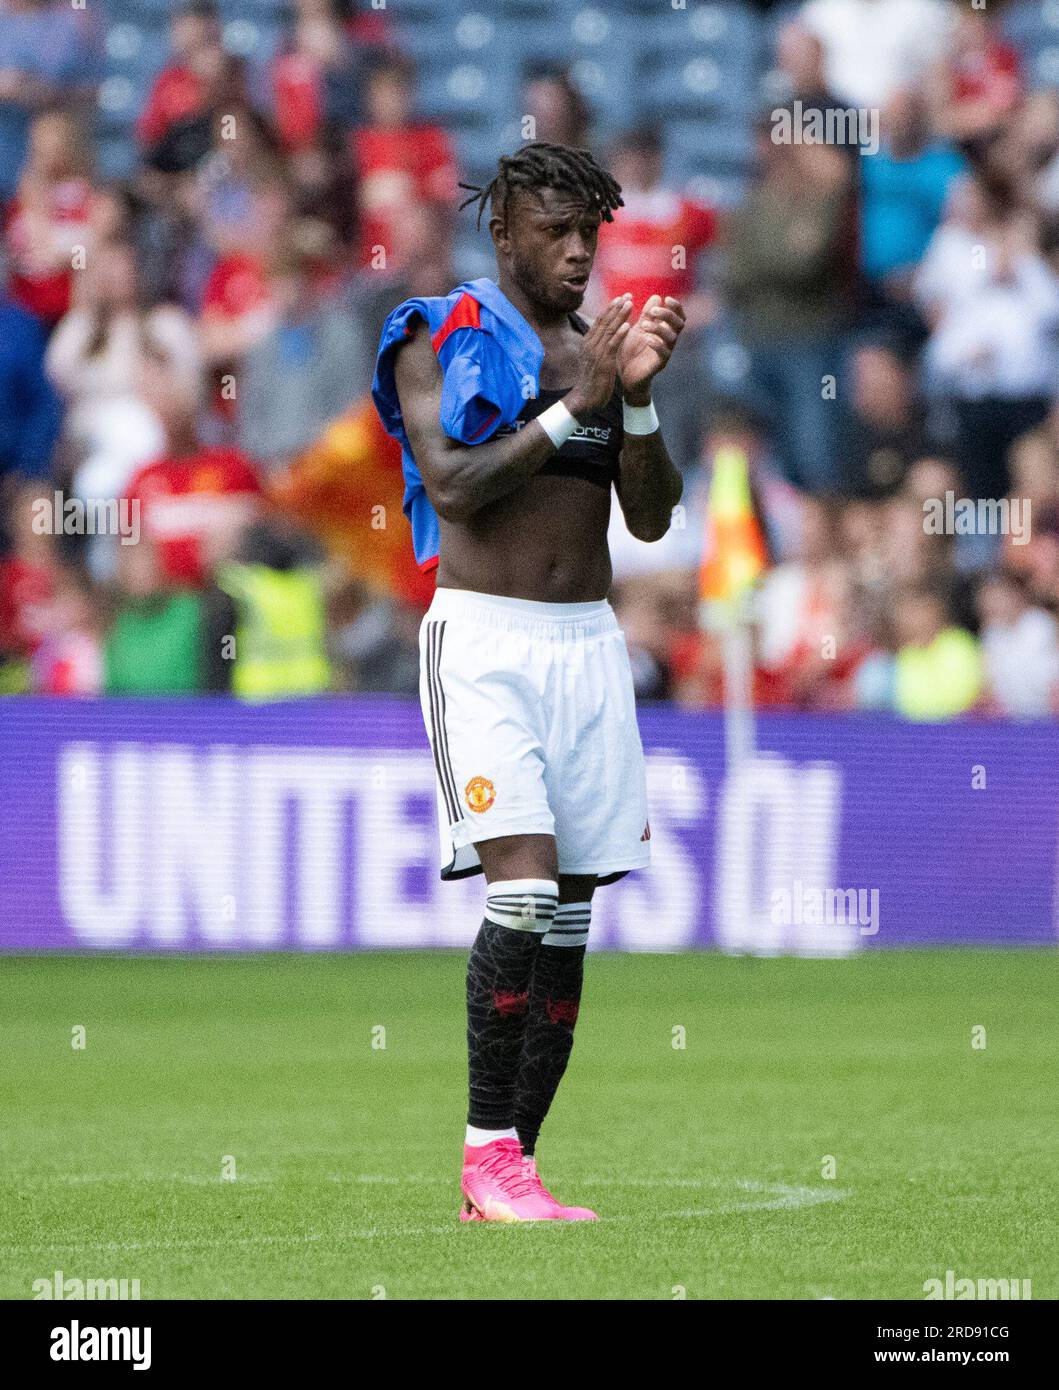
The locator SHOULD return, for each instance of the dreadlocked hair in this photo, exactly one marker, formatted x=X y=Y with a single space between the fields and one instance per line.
x=541 y=165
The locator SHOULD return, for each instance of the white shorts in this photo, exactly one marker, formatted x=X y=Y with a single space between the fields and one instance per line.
x=531 y=717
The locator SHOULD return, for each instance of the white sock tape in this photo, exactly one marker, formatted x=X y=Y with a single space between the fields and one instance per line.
x=526 y=904
x=570 y=925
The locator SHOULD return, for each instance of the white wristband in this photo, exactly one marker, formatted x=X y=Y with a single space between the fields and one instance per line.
x=640 y=419
x=558 y=423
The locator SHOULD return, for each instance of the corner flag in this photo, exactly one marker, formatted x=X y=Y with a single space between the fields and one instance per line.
x=734 y=554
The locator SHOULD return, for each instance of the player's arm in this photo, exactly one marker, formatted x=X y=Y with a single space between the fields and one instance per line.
x=649 y=485
x=460 y=479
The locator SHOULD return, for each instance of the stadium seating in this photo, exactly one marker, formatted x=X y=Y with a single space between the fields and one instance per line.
x=1033 y=27
x=696 y=71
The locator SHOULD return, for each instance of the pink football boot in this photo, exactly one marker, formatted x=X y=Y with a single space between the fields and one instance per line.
x=496 y=1186
x=529 y=1172
x=529 y=1167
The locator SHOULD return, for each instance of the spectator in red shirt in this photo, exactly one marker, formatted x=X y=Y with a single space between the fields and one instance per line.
x=315 y=78
x=181 y=88
x=400 y=162
x=979 y=83
x=49 y=217
x=295 y=78
x=244 y=211
x=68 y=659
x=236 y=311
x=655 y=240
x=653 y=246
x=195 y=502
x=367 y=27
x=30 y=574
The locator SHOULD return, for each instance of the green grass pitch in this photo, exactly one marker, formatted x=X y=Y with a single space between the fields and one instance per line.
x=706 y=1163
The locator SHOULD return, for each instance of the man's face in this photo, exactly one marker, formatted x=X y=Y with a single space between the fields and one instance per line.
x=389 y=100
x=547 y=243
x=191 y=34
x=637 y=167
x=51 y=143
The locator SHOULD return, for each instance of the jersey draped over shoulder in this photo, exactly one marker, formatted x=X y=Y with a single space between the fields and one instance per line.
x=491 y=360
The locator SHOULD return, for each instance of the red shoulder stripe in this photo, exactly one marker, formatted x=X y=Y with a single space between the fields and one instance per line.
x=466 y=313
x=484 y=425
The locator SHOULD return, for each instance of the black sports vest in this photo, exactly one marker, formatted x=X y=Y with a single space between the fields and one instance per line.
x=593 y=451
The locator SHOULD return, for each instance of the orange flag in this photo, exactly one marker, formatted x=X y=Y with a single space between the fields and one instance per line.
x=735 y=553
x=347 y=488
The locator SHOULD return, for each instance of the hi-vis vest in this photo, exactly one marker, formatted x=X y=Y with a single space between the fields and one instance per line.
x=279 y=635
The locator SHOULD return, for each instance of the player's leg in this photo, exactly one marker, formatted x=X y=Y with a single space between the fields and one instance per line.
x=487 y=686
x=594 y=773
x=554 y=1002
x=480 y=696
x=521 y=899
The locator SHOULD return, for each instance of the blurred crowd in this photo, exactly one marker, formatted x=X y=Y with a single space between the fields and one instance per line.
x=185 y=357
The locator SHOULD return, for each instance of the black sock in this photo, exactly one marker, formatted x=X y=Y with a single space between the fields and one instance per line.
x=555 y=997
x=498 y=984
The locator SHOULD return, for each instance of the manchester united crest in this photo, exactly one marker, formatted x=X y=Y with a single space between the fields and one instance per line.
x=480 y=793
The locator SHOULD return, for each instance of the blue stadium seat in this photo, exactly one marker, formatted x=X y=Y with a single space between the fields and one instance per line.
x=473 y=251
x=478 y=148
x=588 y=32
x=449 y=38
x=411 y=12
x=610 y=90
x=253 y=38
x=116 y=157
x=503 y=41
x=136 y=51
x=733 y=29
x=1044 y=71
x=710 y=147
x=535 y=11
x=118 y=102
x=1029 y=24
x=464 y=92
x=695 y=85
x=158 y=11
x=270 y=13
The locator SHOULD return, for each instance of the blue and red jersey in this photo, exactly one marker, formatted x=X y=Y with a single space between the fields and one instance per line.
x=491 y=359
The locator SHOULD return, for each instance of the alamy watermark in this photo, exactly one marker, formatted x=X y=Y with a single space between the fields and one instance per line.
x=77 y=1343
x=799 y=906
x=984 y=516
x=953 y=1288
x=94 y=516
x=58 y=1286
x=837 y=125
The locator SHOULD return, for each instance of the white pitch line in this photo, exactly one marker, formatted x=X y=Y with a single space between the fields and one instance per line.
x=243 y=1242
x=783 y=1198
x=37 y=1179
